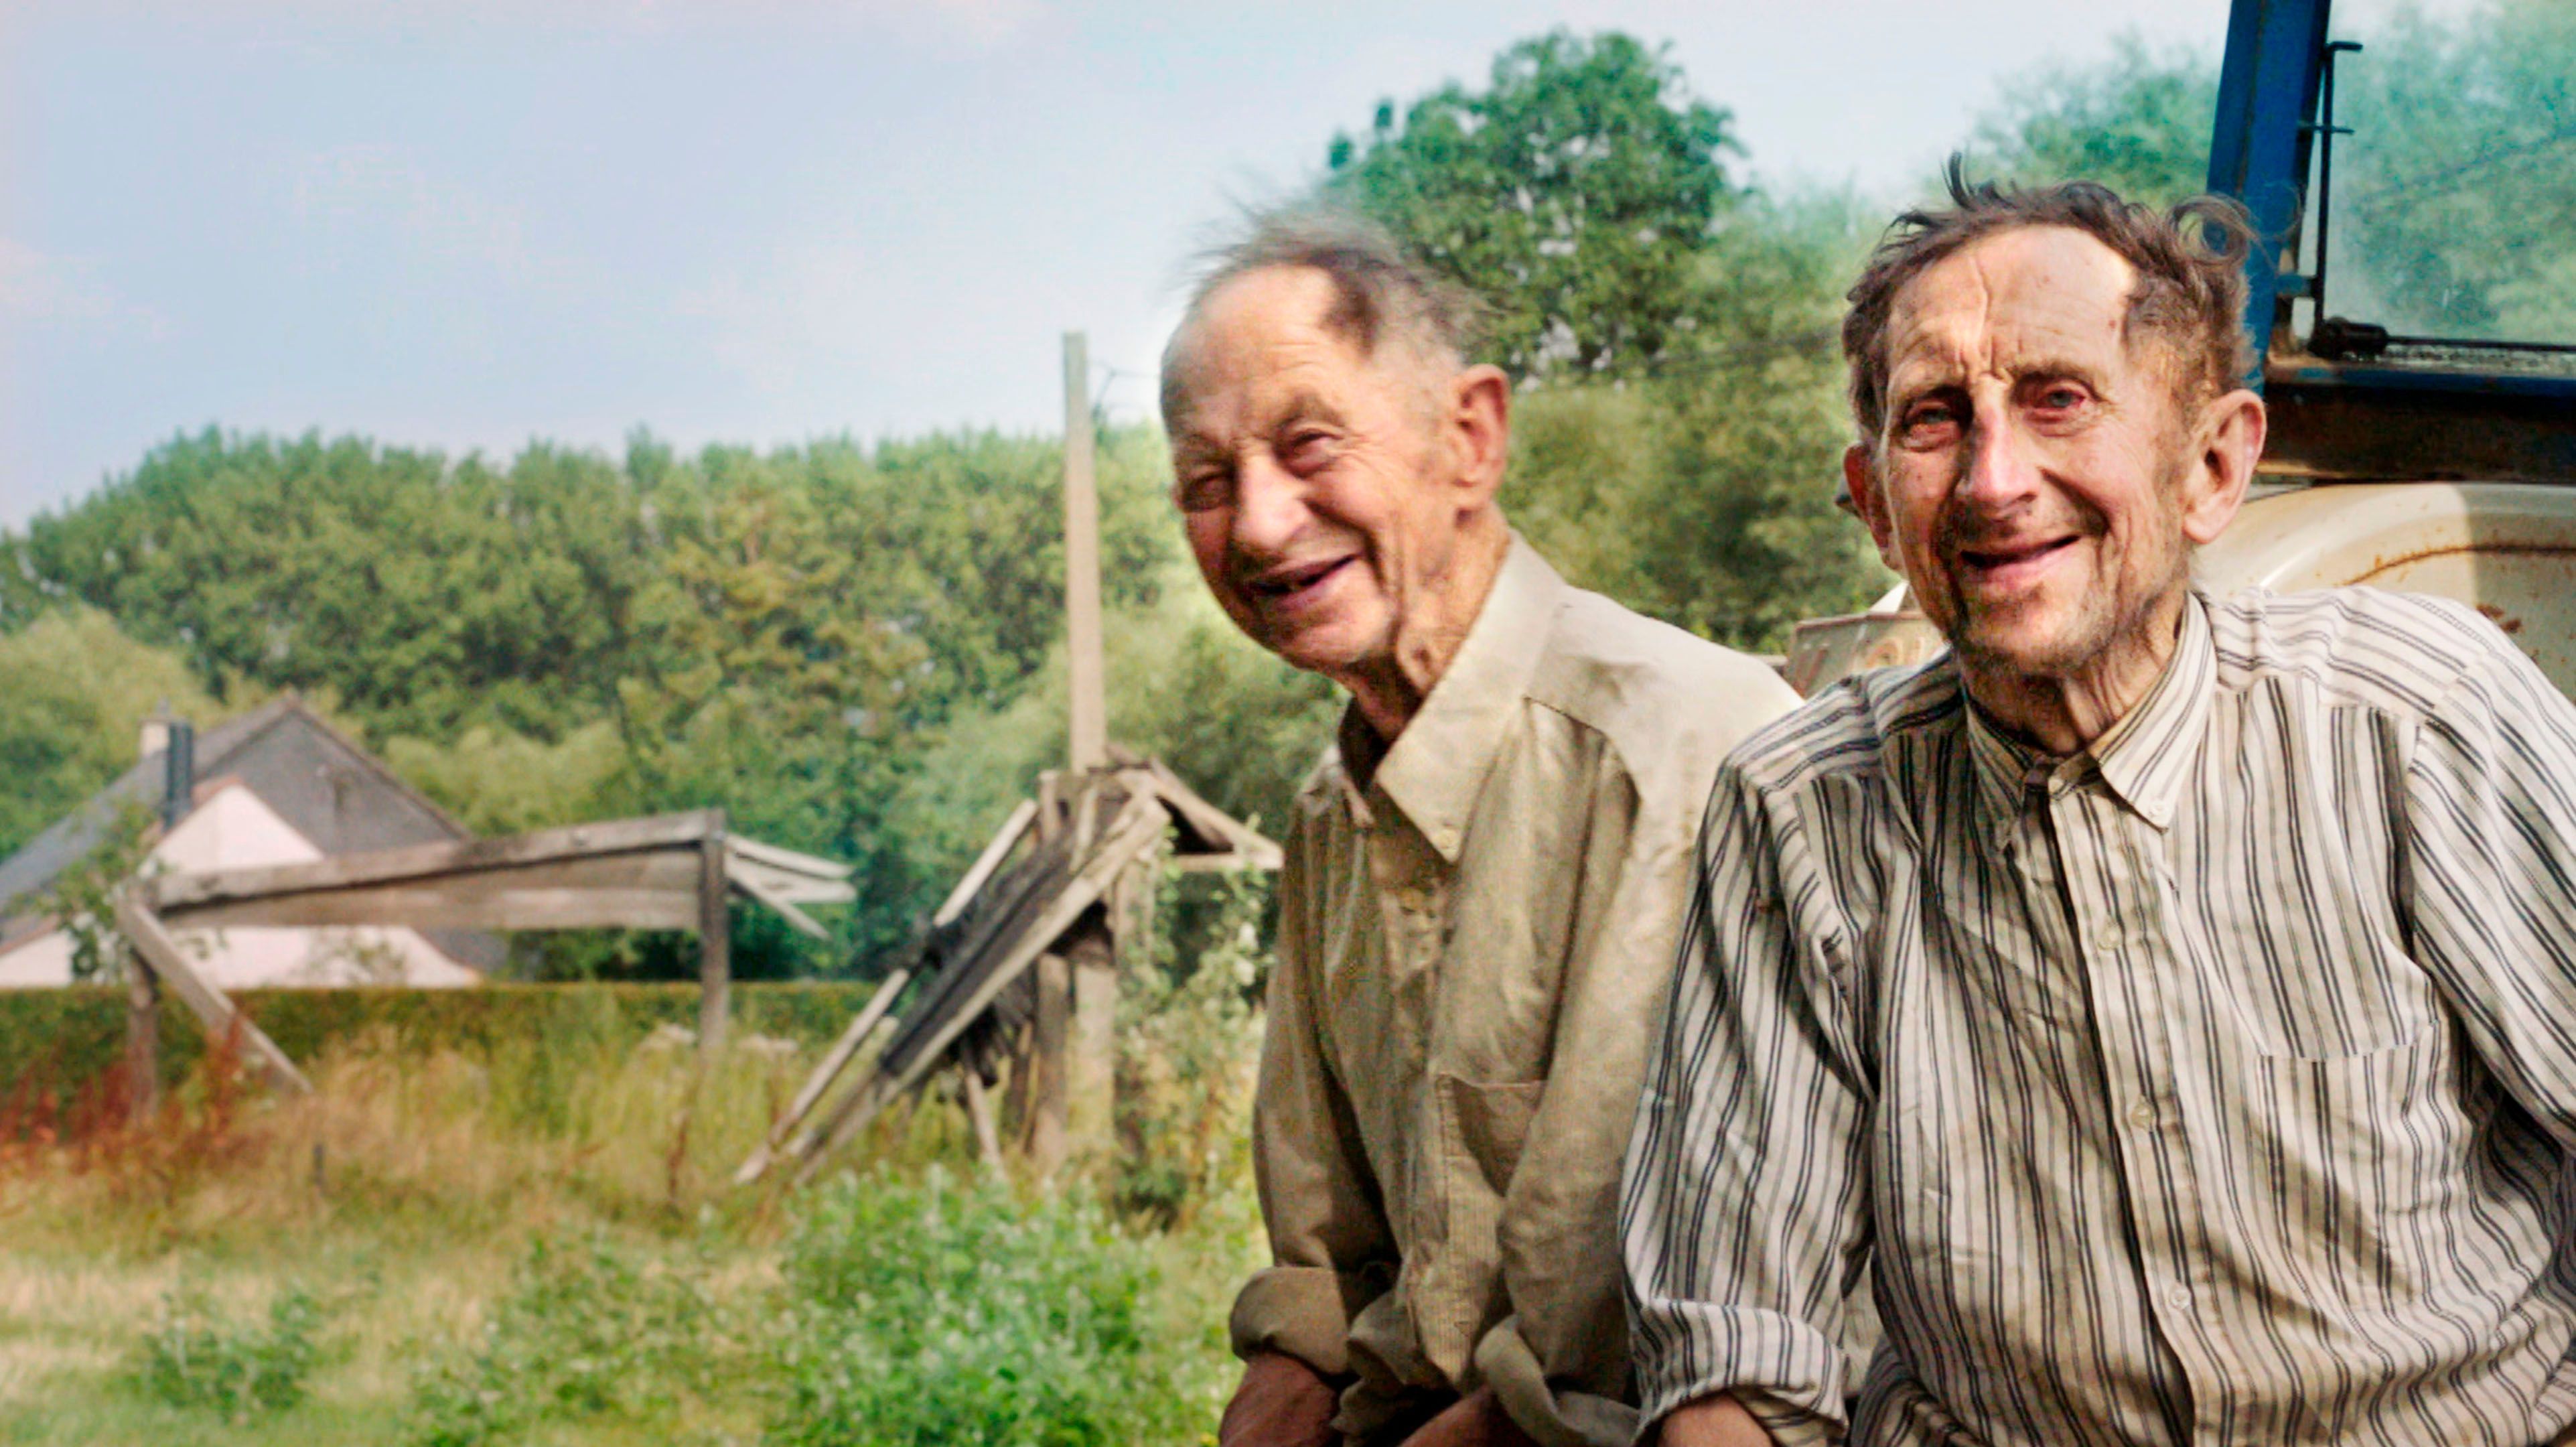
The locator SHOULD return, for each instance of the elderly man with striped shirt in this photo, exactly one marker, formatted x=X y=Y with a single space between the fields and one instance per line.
x=2167 y=1003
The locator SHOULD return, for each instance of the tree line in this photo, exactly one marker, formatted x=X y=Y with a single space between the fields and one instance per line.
x=855 y=649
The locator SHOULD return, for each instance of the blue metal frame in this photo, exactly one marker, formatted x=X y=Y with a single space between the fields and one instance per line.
x=2267 y=100
x=2259 y=152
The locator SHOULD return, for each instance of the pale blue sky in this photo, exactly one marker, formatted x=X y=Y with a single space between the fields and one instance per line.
x=463 y=223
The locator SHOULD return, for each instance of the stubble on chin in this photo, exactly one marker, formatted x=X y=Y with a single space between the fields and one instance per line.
x=2103 y=631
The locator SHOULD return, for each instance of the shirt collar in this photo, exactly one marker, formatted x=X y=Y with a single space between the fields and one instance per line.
x=1434 y=769
x=2147 y=757
x=2006 y=771
x=2144 y=760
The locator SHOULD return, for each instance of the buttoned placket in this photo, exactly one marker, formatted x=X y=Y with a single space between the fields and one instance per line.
x=1412 y=886
x=2132 y=972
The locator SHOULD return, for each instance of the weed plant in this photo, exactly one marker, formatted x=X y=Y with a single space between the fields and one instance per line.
x=924 y=1312
x=195 y=1357
x=591 y=1331
x=1188 y=1040
x=533 y=1242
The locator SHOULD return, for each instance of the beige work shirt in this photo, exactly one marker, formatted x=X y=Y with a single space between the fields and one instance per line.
x=1476 y=937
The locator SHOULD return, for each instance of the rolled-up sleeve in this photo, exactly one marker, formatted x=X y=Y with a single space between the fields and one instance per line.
x=1744 y=1215
x=1331 y=1251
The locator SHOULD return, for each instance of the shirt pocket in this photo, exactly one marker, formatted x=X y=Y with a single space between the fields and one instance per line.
x=2317 y=995
x=2359 y=1158
x=1483 y=1127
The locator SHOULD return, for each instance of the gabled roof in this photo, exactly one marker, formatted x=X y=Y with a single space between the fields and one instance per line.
x=316 y=777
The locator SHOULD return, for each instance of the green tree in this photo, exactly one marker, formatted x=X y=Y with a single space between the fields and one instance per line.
x=1574 y=195
x=2137 y=122
x=1705 y=495
x=2455 y=197
x=405 y=589
x=77 y=692
x=1679 y=417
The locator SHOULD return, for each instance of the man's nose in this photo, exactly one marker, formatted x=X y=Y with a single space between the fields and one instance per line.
x=2001 y=470
x=1269 y=506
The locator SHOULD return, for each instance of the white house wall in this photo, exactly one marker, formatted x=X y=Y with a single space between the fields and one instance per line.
x=233 y=829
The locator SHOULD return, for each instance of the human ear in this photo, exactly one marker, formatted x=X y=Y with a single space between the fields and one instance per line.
x=1480 y=423
x=2231 y=442
x=1860 y=483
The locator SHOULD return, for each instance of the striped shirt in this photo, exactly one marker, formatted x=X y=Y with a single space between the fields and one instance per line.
x=2212 y=1085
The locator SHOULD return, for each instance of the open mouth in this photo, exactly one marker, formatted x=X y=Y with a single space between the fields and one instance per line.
x=2011 y=563
x=1294 y=582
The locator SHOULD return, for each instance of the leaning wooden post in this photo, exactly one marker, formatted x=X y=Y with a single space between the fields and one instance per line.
x=159 y=952
x=715 y=939
x=1091 y=1054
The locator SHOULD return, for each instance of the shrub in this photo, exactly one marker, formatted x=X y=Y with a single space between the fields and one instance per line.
x=195 y=1358
x=590 y=1330
x=925 y=1312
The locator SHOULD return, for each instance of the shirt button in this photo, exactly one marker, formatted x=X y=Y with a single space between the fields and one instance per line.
x=2143 y=1116
x=2178 y=1297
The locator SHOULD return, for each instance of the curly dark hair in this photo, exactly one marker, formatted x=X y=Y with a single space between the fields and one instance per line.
x=2190 y=262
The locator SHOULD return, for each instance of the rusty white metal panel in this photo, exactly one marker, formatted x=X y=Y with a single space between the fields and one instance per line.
x=2506 y=549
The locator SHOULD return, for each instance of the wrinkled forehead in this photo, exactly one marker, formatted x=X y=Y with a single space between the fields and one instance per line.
x=2034 y=294
x=1255 y=342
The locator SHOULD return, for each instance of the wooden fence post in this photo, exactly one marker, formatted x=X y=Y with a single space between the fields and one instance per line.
x=715 y=940
x=1091 y=1053
x=1087 y=712
x=1049 y=1040
x=142 y=1034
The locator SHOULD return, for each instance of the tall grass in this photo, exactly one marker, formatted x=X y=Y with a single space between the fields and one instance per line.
x=538 y=1242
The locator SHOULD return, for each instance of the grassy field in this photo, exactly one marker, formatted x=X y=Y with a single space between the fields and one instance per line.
x=540 y=1247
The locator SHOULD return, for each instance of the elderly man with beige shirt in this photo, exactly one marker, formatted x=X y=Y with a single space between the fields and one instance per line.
x=1484 y=878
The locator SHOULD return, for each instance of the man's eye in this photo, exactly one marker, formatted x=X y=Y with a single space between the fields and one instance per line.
x=1199 y=491
x=1306 y=450
x=1928 y=422
x=2060 y=397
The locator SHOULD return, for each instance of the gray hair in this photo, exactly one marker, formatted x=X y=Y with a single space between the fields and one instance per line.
x=1381 y=293
x=2190 y=261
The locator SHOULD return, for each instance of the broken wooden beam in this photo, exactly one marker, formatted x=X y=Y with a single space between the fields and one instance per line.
x=629 y=874
x=972 y=883
x=966 y=989
x=820 y=1080
x=156 y=950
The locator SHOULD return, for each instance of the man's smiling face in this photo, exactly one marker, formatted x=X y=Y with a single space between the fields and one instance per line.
x=1307 y=474
x=2028 y=479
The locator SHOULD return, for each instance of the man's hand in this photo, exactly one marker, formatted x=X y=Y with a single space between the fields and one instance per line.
x=1712 y=1422
x=1475 y=1420
x=1282 y=1403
